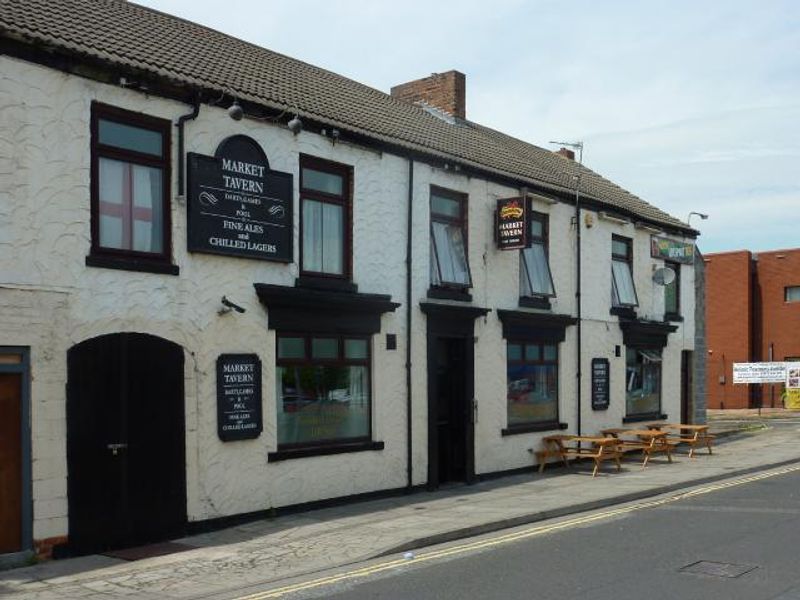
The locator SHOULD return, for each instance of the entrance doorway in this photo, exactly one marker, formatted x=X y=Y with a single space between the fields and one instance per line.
x=11 y=488
x=125 y=442
x=453 y=410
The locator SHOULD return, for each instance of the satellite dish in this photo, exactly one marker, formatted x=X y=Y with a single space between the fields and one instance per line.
x=663 y=276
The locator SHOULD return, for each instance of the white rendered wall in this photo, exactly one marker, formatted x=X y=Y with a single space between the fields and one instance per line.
x=49 y=300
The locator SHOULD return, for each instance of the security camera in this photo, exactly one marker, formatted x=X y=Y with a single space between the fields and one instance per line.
x=235 y=111
x=230 y=305
x=295 y=125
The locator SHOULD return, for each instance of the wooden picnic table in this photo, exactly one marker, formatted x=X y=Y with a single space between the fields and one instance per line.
x=649 y=441
x=566 y=446
x=686 y=433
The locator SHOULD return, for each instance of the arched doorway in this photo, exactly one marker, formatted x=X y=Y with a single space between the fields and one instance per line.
x=125 y=441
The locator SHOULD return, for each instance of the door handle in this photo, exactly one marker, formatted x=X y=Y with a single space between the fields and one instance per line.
x=115 y=448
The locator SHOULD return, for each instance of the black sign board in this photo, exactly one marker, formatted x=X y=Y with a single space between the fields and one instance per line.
x=600 y=379
x=238 y=397
x=511 y=225
x=237 y=205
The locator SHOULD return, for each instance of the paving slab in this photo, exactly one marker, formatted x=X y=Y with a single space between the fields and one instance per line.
x=283 y=547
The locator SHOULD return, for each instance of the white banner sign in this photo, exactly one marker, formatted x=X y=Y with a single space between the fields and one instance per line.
x=763 y=372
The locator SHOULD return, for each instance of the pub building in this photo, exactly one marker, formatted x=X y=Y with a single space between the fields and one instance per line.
x=234 y=283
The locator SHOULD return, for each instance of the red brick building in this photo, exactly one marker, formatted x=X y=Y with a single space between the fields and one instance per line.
x=752 y=315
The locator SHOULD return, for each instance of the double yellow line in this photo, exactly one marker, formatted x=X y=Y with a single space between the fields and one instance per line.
x=505 y=539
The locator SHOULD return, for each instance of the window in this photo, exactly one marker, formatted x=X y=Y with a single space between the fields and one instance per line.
x=130 y=185
x=623 y=292
x=672 y=292
x=325 y=200
x=532 y=380
x=449 y=265
x=535 y=277
x=323 y=390
x=792 y=293
x=642 y=381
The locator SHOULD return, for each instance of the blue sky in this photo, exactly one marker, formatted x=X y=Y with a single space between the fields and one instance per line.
x=693 y=106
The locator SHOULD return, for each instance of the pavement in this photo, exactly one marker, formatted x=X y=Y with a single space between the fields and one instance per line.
x=234 y=561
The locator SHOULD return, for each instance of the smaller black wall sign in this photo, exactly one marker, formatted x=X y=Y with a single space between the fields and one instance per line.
x=238 y=397
x=600 y=387
x=511 y=224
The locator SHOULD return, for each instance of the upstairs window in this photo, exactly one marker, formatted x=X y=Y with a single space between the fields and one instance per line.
x=325 y=203
x=449 y=264
x=672 y=292
x=535 y=276
x=623 y=292
x=130 y=184
x=791 y=293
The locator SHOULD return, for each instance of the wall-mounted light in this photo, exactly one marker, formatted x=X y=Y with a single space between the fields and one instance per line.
x=228 y=306
x=295 y=125
x=235 y=111
x=703 y=216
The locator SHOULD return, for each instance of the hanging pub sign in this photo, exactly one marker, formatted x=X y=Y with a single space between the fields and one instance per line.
x=238 y=206
x=600 y=383
x=511 y=224
x=238 y=397
x=661 y=247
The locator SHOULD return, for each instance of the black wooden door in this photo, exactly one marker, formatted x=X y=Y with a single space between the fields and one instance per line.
x=125 y=441
x=452 y=399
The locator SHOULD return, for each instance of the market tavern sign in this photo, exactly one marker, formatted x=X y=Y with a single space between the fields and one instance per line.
x=661 y=247
x=511 y=224
x=237 y=205
x=600 y=383
x=238 y=397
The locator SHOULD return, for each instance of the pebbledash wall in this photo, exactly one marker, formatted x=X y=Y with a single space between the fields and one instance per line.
x=50 y=301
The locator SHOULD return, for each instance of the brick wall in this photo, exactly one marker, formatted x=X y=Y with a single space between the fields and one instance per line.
x=445 y=91
x=779 y=320
x=729 y=314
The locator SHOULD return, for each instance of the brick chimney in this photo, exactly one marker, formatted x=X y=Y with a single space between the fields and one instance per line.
x=445 y=91
x=566 y=153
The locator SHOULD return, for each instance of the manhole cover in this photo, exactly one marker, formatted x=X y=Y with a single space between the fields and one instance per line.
x=717 y=569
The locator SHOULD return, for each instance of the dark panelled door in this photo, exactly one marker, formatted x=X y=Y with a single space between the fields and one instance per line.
x=125 y=441
x=10 y=462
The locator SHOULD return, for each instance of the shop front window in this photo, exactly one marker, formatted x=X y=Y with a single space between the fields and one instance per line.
x=323 y=390
x=532 y=383
x=642 y=381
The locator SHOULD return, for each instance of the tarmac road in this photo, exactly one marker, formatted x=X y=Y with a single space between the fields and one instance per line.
x=734 y=540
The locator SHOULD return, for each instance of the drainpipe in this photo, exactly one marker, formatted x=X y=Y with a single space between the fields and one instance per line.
x=409 y=428
x=579 y=331
x=181 y=120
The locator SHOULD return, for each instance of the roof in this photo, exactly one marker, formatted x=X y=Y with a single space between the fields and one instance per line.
x=132 y=36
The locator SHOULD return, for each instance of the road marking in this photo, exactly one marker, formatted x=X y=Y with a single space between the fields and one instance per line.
x=507 y=538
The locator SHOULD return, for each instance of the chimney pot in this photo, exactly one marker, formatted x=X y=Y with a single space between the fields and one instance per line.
x=445 y=91
x=566 y=153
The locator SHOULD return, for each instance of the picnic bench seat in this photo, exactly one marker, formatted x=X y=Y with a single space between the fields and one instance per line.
x=691 y=435
x=568 y=447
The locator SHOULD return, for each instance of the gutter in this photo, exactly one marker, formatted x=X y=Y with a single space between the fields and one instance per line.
x=181 y=120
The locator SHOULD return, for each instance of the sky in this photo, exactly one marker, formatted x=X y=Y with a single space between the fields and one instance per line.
x=691 y=105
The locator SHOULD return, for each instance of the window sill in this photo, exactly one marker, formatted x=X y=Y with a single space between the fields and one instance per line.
x=308 y=451
x=533 y=427
x=333 y=284
x=540 y=302
x=673 y=317
x=645 y=417
x=626 y=312
x=449 y=294
x=125 y=263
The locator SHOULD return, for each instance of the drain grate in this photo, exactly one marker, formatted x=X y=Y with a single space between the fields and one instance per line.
x=717 y=569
